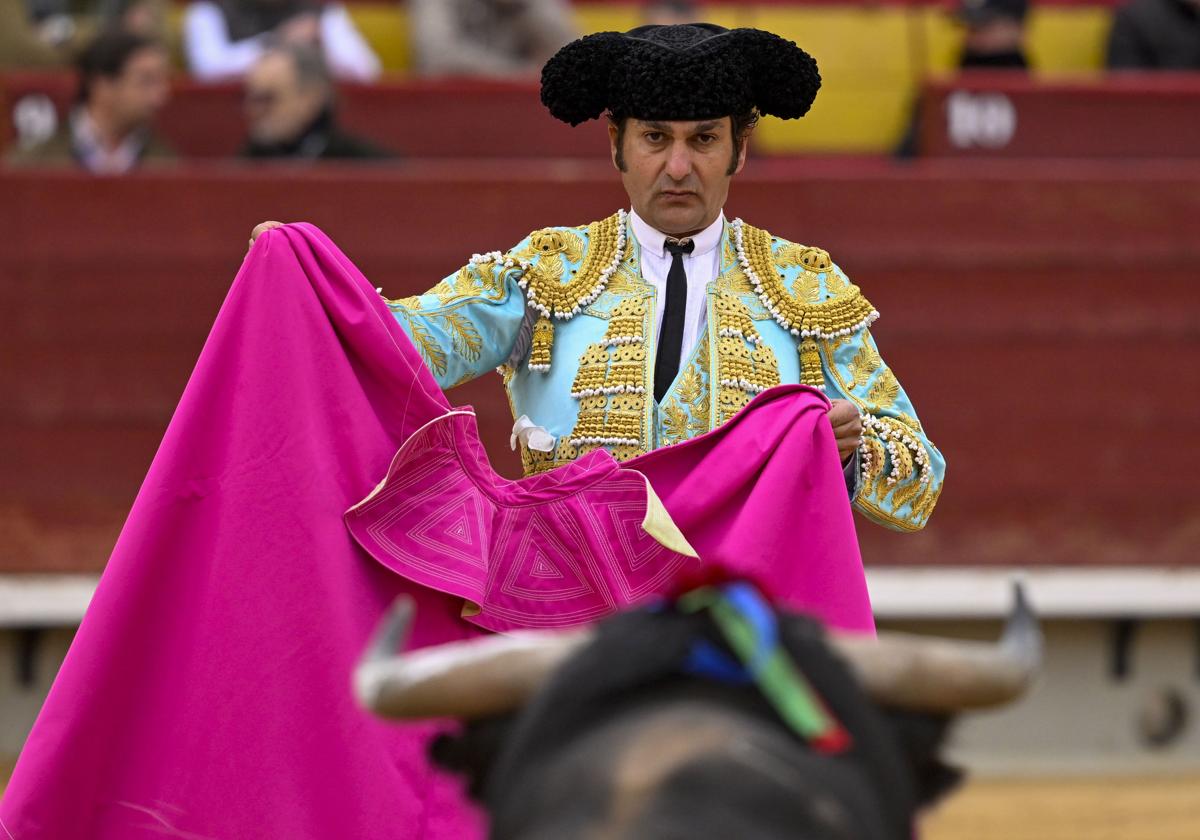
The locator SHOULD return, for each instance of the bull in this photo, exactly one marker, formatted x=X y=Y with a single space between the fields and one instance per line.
x=714 y=717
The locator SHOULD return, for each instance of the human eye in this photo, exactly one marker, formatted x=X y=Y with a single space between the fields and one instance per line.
x=655 y=137
x=706 y=139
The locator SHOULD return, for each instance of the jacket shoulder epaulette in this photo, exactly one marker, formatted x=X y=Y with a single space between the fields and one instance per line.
x=801 y=286
x=566 y=268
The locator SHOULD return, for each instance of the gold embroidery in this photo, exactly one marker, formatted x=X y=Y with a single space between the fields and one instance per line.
x=741 y=371
x=835 y=284
x=431 y=351
x=564 y=298
x=909 y=420
x=688 y=388
x=557 y=241
x=591 y=377
x=687 y=413
x=675 y=421
x=412 y=302
x=790 y=255
x=541 y=343
x=810 y=364
x=885 y=390
x=548 y=270
x=816 y=259
x=833 y=345
x=847 y=312
x=534 y=462
x=464 y=337
x=625 y=280
x=611 y=385
x=808 y=284
x=734 y=281
x=865 y=362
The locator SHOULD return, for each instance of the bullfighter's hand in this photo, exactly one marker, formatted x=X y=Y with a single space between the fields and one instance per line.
x=847 y=427
x=259 y=230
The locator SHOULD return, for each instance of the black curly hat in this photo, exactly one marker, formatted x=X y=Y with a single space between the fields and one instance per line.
x=694 y=71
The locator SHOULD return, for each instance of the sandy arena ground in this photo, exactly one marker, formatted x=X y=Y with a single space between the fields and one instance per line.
x=1057 y=809
x=1165 y=808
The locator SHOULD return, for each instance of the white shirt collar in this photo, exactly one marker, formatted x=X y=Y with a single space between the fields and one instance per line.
x=654 y=241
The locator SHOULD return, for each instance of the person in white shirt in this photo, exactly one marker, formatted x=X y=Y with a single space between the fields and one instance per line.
x=222 y=39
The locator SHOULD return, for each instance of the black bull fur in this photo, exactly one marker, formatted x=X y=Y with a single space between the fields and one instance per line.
x=621 y=743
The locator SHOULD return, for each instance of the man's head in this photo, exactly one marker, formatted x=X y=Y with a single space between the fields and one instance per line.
x=285 y=91
x=995 y=33
x=716 y=717
x=677 y=172
x=681 y=101
x=124 y=80
x=667 y=12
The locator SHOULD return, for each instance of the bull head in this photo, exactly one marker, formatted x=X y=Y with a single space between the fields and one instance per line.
x=493 y=675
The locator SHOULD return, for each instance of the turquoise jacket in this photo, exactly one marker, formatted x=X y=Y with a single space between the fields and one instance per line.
x=567 y=320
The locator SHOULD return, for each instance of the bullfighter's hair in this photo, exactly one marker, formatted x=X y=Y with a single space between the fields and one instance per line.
x=637 y=660
x=693 y=71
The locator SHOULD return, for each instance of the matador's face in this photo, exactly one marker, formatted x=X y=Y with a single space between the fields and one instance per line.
x=677 y=173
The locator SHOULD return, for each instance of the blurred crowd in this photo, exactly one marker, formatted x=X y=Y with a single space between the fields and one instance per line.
x=289 y=55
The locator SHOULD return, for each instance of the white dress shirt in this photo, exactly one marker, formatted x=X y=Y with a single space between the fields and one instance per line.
x=701 y=267
x=212 y=56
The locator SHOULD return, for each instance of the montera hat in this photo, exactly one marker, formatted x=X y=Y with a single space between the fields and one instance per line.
x=695 y=71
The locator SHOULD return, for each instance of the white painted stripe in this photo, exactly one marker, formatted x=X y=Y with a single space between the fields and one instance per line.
x=930 y=592
x=1057 y=592
x=44 y=600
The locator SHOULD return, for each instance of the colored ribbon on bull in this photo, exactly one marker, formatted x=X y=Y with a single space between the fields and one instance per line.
x=751 y=629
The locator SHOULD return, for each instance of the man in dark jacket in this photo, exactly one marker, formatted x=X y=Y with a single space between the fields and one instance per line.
x=289 y=106
x=1156 y=35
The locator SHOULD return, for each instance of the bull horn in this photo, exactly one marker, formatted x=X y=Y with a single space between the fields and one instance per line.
x=470 y=679
x=942 y=676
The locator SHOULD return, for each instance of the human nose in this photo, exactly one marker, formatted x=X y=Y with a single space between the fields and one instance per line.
x=679 y=162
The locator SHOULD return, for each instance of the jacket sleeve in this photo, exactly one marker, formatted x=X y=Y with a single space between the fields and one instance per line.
x=900 y=470
x=470 y=322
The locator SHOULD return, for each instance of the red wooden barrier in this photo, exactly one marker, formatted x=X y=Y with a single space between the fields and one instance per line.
x=1043 y=318
x=999 y=115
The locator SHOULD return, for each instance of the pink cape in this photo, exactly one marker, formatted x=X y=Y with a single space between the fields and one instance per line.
x=206 y=694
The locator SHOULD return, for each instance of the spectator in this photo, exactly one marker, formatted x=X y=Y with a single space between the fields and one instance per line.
x=995 y=36
x=496 y=38
x=45 y=33
x=124 y=83
x=24 y=43
x=289 y=101
x=1155 y=35
x=994 y=39
x=223 y=38
x=670 y=12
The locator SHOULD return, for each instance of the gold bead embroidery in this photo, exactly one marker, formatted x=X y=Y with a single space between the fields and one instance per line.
x=810 y=364
x=611 y=385
x=541 y=344
x=745 y=364
x=843 y=314
x=551 y=296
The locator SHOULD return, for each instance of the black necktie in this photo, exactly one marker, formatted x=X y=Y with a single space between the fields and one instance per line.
x=670 y=337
